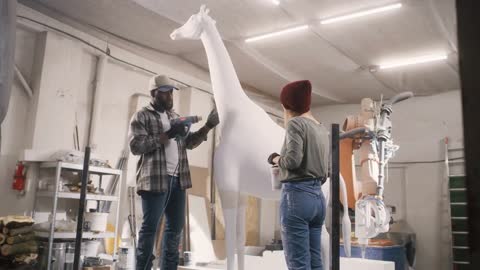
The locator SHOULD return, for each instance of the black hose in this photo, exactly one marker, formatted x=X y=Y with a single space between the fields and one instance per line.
x=351 y=133
x=400 y=97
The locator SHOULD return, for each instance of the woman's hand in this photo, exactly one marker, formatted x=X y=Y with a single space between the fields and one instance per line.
x=273 y=158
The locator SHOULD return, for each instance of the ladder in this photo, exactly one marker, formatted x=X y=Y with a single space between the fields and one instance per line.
x=457 y=199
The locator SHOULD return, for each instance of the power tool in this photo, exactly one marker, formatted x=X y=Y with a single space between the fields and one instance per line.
x=186 y=120
x=183 y=124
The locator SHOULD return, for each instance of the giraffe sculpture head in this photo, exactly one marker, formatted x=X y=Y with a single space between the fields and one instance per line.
x=193 y=28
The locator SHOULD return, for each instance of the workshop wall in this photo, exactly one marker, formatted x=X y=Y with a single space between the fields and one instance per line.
x=14 y=137
x=419 y=127
x=65 y=75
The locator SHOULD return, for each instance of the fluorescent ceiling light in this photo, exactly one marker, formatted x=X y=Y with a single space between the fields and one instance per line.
x=361 y=13
x=413 y=61
x=274 y=34
x=276 y=2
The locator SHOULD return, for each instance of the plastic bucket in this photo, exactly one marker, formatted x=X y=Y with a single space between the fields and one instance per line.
x=97 y=221
x=126 y=258
x=58 y=255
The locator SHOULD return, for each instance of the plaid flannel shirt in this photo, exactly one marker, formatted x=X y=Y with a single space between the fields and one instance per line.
x=145 y=127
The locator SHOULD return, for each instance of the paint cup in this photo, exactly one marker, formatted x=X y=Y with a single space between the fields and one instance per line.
x=275 y=173
x=188 y=258
x=126 y=258
x=69 y=256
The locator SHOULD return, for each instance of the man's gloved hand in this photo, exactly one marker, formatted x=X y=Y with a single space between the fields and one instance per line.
x=272 y=157
x=177 y=131
x=212 y=119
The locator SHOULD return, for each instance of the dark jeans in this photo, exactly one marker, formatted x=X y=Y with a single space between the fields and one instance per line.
x=302 y=213
x=154 y=205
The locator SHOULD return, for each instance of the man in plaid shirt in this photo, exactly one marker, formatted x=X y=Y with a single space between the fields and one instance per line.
x=163 y=174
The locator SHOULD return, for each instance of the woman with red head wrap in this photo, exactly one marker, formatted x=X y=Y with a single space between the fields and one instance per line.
x=303 y=166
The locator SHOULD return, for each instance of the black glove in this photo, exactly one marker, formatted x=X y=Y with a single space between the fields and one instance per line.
x=177 y=131
x=271 y=157
x=212 y=119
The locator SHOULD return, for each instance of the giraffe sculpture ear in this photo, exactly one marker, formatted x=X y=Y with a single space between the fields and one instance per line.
x=202 y=9
x=204 y=14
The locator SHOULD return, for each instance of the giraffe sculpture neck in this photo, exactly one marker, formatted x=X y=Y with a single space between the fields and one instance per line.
x=228 y=92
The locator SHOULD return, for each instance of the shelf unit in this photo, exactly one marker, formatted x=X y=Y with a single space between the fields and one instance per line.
x=71 y=235
x=56 y=194
x=74 y=195
x=79 y=168
x=457 y=199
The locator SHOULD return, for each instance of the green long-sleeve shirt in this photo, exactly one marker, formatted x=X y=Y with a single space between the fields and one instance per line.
x=306 y=150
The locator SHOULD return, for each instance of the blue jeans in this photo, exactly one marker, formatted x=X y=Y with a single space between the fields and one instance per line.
x=154 y=205
x=302 y=213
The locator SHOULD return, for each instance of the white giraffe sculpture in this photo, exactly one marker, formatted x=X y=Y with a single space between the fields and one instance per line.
x=248 y=137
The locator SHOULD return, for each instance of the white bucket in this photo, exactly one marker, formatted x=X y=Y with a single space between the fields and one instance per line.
x=90 y=248
x=91 y=204
x=276 y=184
x=97 y=221
x=189 y=260
x=126 y=258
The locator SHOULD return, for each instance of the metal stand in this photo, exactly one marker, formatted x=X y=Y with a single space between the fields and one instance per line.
x=469 y=57
x=335 y=195
x=132 y=219
x=81 y=209
x=58 y=171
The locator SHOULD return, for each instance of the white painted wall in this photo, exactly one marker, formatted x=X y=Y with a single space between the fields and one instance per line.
x=14 y=137
x=419 y=126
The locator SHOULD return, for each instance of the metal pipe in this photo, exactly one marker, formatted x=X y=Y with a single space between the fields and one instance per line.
x=381 y=167
x=58 y=171
x=81 y=209
x=96 y=102
x=24 y=83
x=186 y=231
x=335 y=193
x=117 y=215
x=132 y=219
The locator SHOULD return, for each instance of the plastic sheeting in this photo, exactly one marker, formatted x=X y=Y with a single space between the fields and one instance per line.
x=8 y=11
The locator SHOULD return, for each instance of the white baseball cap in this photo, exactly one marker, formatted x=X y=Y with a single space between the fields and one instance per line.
x=162 y=83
